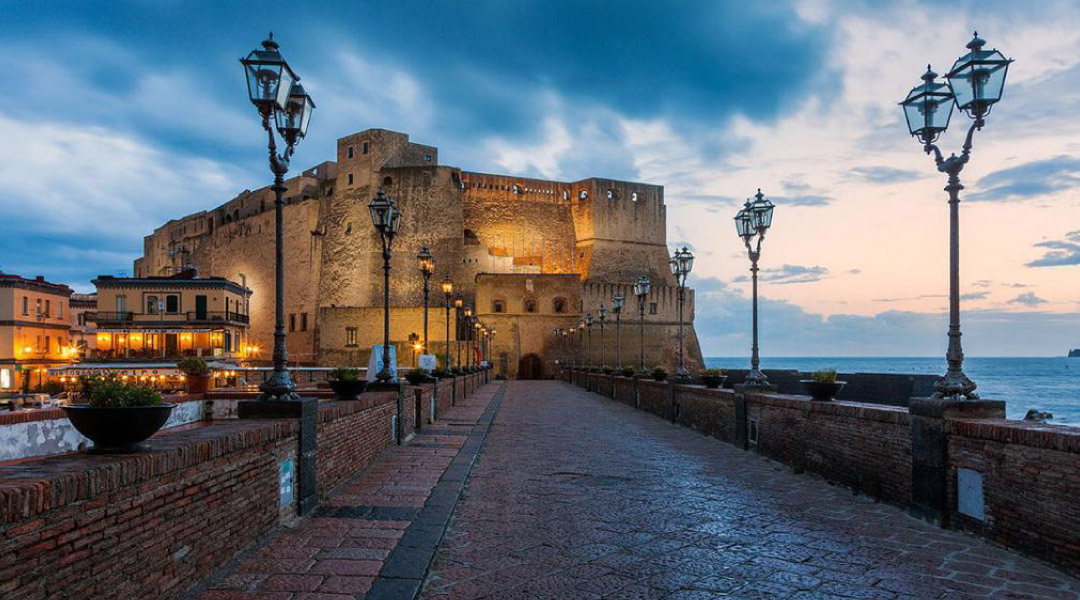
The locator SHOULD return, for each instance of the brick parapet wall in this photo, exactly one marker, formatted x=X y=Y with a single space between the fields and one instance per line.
x=1030 y=485
x=351 y=433
x=624 y=390
x=712 y=412
x=654 y=397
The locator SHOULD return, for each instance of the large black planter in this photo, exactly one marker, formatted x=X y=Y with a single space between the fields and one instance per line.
x=118 y=430
x=713 y=381
x=823 y=390
x=348 y=389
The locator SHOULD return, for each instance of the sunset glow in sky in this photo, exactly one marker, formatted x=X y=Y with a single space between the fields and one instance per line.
x=117 y=116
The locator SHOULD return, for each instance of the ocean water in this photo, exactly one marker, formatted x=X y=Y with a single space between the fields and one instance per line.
x=1047 y=384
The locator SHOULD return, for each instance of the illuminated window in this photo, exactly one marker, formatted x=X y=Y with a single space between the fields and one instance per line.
x=633 y=197
x=5 y=379
x=350 y=336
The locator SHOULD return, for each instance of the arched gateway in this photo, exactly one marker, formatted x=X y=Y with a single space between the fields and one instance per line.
x=530 y=367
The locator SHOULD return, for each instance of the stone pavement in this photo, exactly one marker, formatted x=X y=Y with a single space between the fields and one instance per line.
x=370 y=537
x=575 y=496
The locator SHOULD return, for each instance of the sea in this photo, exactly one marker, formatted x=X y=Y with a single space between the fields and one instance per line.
x=1050 y=384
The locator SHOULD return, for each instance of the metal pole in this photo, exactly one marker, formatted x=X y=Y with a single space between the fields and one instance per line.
x=603 y=348
x=641 y=331
x=681 y=372
x=280 y=386
x=427 y=292
x=588 y=347
x=755 y=361
x=385 y=375
x=618 y=341
x=446 y=365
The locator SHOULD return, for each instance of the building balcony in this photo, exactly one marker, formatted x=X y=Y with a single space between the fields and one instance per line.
x=193 y=317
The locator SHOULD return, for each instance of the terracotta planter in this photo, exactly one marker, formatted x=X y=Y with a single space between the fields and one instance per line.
x=197 y=384
x=118 y=430
x=713 y=381
x=822 y=391
x=348 y=389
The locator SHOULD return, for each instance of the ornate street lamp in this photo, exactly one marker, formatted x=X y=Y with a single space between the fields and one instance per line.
x=477 y=349
x=681 y=264
x=427 y=267
x=641 y=290
x=588 y=344
x=752 y=221
x=574 y=359
x=466 y=330
x=617 y=302
x=387 y=221
x=276 y=92
x=975 y=84
x=448 y=292
x=603 y=349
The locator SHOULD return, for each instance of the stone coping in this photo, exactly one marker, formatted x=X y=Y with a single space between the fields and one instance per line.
x=48 y=483
x=49 y=414
x=839 y=408
x=1063 y=438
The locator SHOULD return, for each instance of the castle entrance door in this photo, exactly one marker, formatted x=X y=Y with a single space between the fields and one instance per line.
x=530 y=367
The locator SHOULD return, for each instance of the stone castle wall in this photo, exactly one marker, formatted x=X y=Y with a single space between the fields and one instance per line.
x=601 y=232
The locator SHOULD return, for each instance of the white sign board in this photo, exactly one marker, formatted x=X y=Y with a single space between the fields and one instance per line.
x=428 y=362
x=969 y=493
x=374 y=366
x=285 y=481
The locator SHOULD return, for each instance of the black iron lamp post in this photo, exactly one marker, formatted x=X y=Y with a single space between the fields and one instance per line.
x=974 y=85
x=617 y=302
x=466 y=330
x=574 y=359
x=752 y=221
x=641 y=289
x=448 y=292
x=603 y=348
x=478 y=350
x=459 y=312
x=387 y=221
x=427 y=267
x=588 y=343
x=681 y=264
x=277 y=94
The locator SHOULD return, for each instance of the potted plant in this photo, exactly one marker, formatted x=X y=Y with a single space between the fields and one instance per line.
x=607 y=370
x=196 y=373
x=659 y=373
x=347 y=382
x=713 y=378
x=441 y=373
x=416 y=376
x=628 y=371
x=823 y=385
x=118 y=415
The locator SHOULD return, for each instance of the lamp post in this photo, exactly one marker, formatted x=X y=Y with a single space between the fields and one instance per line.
x=603 y=319
x=467 y=331
x=459 y=303
x=641 y=290
x=974 y=84
x=386 y=218
x=573 y=359
x=588 y=344
x=477 y=353
x=617 y=302
x=276 y=92
x=448 y=292
x=681 y=264
x=752 y=221
x=427 y=267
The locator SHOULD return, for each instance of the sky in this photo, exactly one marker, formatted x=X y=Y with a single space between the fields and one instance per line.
x=117 y=116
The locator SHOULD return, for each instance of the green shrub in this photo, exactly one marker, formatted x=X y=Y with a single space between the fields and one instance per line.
x=659 y=373
x=346 y=374
x=607 y=370
x=193 y=366
x=111 y=393
x=824 y=376
x=415 y=376
x=628 y=371
x=713 y=373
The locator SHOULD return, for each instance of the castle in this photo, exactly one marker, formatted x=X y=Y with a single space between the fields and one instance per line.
x=529 y=255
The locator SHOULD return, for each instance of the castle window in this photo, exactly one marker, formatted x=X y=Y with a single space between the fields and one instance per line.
x=517 y=189
x=350 y=179
x=558 y=305
x=427 y=158
x=236 y=215
x=292 y=321
x=303 y=321
x=172 y=304
x=388 y=180
x=611 y=194
x=366 y=147
x=498 y=306
x=565 y=195
x=530 y=305
x=350 y=336
x=350 y=151
x=652 y=308
x=151 y=305
x=633 y=197
x=583 y=194
x=25 y=305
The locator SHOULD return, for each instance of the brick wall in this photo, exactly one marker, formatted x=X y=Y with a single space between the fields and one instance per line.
x=624 y=391
x=1030 y=485
x=350 y=434
x=867 y=447
x=146 y=525
x=712 y=412
x=654 y=397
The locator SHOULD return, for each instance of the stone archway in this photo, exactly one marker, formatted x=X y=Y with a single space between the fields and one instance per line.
x=530 y=367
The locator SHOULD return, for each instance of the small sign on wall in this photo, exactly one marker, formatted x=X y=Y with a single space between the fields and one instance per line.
x=969 y=493
x=285 y=481
x=428 y=362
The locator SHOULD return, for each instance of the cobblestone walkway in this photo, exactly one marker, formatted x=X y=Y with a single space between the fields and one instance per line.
x=574 y=496
x=340 y=553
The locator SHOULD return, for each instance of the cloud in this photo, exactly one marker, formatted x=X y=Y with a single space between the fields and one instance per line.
x=854 y=271
x=788 y=274
x=983 y=283
x=906 y=298
x=883 y=175
x=1034 y=179
x=1027 y=299
x=1059 y=252
x=805 y=200
x=974 y=296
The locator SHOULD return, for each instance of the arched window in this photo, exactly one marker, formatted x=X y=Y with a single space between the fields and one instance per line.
x=530 y=305
x=633 y=197
x=558 y=305
x=611 y=194
x=583 y=194
x=498 y=306
x=388 y=180
x=517 y=189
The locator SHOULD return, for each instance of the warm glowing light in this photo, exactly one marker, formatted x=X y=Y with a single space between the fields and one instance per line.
x=417 y=346
x=27 y=350
x=124 y=377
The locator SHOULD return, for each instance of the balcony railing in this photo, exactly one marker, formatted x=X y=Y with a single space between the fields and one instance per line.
x=121 y=318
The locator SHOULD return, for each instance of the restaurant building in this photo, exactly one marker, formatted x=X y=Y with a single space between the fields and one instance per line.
x=35 y=324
